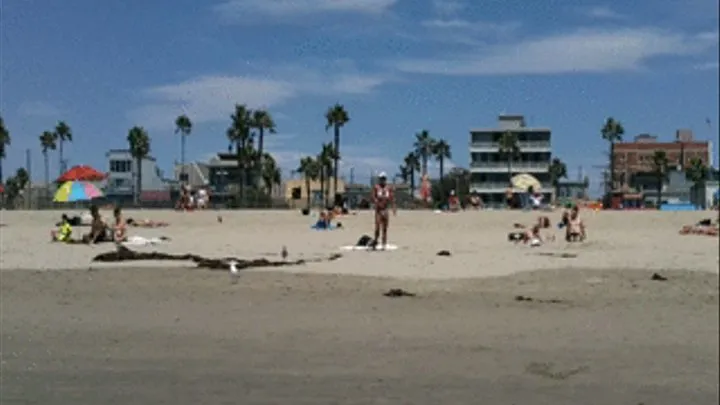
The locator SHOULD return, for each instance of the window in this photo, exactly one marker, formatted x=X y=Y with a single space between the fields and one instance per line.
x=120 y=166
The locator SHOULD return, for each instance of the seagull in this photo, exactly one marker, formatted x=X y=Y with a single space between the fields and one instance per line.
x=284 y=253
x=234 y=272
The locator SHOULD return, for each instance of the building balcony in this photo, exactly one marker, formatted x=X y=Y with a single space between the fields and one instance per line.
x=502 y=167
x=525 y=146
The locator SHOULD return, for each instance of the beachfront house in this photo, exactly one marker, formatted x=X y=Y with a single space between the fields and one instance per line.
x=122 y=169
x=489 y=176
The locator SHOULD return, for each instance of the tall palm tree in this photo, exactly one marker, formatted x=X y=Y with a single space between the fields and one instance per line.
x=311 y=171
x=612 y=131
x=336 y=117
x=325 y=164
x=270 y=173
x=262 y=121
x=48 y=142
x=139 y=142
x=63 y=133
x=698 y=173
x=660 y=164
x=239 y=134
x=510 y=150
x=441 y=151
x=558 y=170
x=412 y=164
x=4 y=143
x=183 y=127
x=424 y=146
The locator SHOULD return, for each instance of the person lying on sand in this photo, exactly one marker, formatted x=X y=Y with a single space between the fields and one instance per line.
x=704 y=227
x=532 y=234
x=148 y=223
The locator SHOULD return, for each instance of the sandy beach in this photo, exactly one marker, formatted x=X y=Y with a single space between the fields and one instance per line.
x=592 y=327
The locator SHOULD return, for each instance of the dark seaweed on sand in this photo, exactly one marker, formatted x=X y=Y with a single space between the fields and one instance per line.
x=123 y=254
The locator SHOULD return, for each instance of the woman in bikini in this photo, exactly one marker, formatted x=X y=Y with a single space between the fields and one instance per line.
x=383 y=200
x=575 y=227
x=120 y=227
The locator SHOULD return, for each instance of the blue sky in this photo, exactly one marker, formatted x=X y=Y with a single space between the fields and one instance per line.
x=398 y=66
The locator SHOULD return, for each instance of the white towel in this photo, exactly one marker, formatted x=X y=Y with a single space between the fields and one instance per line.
x=142 y=241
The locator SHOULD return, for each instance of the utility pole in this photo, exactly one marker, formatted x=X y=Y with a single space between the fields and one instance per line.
x=28 y=168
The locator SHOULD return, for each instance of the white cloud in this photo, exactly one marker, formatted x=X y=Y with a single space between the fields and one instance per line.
x=604 y=13
x=211 y=98
x=592 y=51
x=38 y=109
x=448 y=7
x=240 y=9
x=708 y=66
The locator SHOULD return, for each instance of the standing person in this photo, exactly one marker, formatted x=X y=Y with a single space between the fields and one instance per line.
x=201 y=200
x=382 y=199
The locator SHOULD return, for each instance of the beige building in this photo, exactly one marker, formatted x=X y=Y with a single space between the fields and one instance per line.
x=296 y=191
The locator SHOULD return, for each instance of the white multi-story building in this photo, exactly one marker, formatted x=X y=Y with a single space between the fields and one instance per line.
x=489 y=167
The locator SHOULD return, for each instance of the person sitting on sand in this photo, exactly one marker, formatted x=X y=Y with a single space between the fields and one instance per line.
x=575 y=230
x=120 y=226
x=98 y=228
x=148 y=223
x=64 y=231
x=532 y=234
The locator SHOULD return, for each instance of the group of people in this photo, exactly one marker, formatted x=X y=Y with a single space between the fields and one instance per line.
x=100 y=230
x=570 y=221
x=190 y=200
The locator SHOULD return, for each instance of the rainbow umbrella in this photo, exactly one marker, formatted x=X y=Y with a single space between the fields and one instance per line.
x=72 y=191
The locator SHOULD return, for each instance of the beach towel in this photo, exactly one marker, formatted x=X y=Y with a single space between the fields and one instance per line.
x=142 y=241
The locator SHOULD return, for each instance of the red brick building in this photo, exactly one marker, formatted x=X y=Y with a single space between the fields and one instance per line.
x=635 y=157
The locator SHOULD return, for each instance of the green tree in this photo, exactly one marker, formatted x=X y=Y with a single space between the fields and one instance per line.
x=48 y=142
x=660 y=165
x=697 y=171
x=412 y=164
x=336 y=117
x=239 y=133
x=16 y=186
x=63 y=133
x=612 y=132
x=271 y=173
x=263 y=122
x=183 y=127
x=311 y=171
x=441 y=152
x=4 y=143
x=139 y=142
x=510 y=150
x=423 y=148
x=325 y=163
x=558 y=170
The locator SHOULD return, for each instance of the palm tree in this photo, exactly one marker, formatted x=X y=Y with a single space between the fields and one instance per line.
x=139 y=142
x=510 y=150
x=270 y=173
x=424 y=146
x=239 y=134
x=4 y=143
x=558 y=171
x=412 y=164
x=262 y=121
x=311 y=171
x=698 y=173
x=660 y=168
x=48 y=142
x=612 y=131
x=183 y=126
x=325 y=165
x=442 y=151
x=63 y=134
x=336 y=117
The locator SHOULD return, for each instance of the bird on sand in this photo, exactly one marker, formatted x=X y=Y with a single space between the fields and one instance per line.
x=234 y=272
x=284 y=253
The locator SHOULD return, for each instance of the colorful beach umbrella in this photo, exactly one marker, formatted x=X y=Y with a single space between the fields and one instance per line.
x=72 y=191
x=81 y=173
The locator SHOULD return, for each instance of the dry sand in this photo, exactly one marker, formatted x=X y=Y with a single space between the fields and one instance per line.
x=599 y=330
